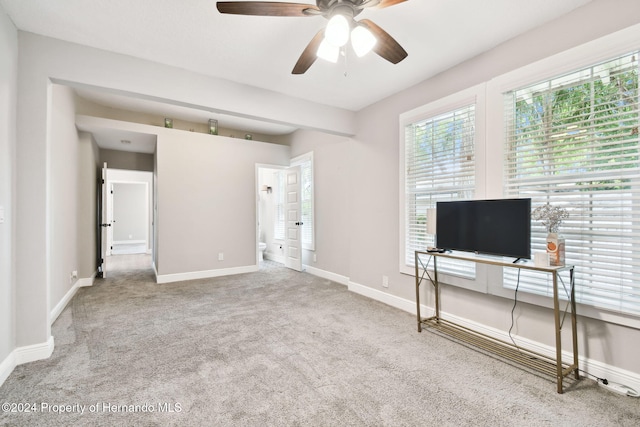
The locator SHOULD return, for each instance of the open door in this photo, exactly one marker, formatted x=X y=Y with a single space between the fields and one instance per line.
x=293 y=242
x=103 y=223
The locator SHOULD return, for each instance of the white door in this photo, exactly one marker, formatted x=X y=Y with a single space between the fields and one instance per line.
x=293 y=244
x=110 y=220
x=104 y=223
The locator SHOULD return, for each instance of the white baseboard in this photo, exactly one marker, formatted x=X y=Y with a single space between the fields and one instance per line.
x=69 y=296
x=129 y=247
x=274 y=257
x=393 y=301
x=178 y=277
x=7 y=366
x=593 y=367
x=26 y=354
x=129 y=242
x=343 y=280
x=31 y=353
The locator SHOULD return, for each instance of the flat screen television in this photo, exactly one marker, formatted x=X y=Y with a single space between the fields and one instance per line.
x=495 y=227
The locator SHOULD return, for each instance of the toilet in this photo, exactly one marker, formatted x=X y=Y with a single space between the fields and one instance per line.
x=263 y=247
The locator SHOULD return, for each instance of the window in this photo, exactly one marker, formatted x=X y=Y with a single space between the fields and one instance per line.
x=307 y=198
x=573 y=141
x=438 y=165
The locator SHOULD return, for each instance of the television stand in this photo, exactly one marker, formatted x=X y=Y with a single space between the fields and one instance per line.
x=506 y=350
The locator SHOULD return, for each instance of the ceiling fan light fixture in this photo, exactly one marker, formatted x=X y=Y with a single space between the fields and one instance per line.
x=337 y=31
x=328 y=51
x=362 y=40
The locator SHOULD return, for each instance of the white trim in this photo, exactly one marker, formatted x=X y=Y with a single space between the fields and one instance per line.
x=192 y=275
x=80 y=283
x=300 y=161
x=584 y=55
x=7 y=366
x=129 y=242
x=26 y=354
x=128 y=247
x=475 y=95
x=392 y=300
x=593 y=367
x=343 y=280
x=124 y=176
x=31 y=353
x=272 y=256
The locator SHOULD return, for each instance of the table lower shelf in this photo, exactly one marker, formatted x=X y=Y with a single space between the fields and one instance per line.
x=506 y=350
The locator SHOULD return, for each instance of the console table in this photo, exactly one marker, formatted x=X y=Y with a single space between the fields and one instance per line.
x=507 y=350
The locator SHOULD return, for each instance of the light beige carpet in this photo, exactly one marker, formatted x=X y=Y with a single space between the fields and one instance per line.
x=276 y=348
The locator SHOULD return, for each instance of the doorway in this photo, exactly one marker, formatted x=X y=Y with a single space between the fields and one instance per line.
x=279 y=216
x=129 y=216
x=270 y=215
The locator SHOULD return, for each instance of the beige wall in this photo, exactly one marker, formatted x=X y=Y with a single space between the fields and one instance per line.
x=73 y=198
x=332 y=218
x=89 y=108
x=116 y=159
x=63 y=176
x=207 y=200
x=8 y=100
x=87 y=184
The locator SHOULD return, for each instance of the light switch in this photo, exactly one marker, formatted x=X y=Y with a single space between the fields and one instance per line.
x=1 y=214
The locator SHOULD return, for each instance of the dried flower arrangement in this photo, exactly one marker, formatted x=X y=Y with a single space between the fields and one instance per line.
x=550 y=216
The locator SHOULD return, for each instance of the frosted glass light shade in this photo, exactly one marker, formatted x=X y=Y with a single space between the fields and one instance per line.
x=362 y=40
x=337 y=31
x=328 y=51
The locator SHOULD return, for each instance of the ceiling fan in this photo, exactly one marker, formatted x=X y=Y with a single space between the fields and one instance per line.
x=365 y=35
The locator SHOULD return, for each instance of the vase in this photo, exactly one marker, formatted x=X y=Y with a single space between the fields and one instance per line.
x=555 y=249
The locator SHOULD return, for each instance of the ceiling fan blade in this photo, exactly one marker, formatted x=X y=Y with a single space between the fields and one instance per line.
x=309 y=55
x=267 y=8
x=387 y=47
x=380 y=4
x=387 y=3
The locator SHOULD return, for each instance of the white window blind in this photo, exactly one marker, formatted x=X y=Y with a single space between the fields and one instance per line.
x=439 y=166
x=279 y=223
x=573 y=141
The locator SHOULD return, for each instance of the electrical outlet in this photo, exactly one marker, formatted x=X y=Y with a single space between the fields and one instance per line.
x=74 y=274
x=385 y=281
x=221 y=256
x=315 y=258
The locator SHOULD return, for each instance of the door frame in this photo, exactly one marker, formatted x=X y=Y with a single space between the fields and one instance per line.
x=149 y=211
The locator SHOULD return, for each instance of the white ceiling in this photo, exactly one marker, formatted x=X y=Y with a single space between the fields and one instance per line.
x=261 y=51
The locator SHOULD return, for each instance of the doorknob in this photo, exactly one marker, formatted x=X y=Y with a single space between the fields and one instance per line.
x=105 y=225
x=299 y=223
